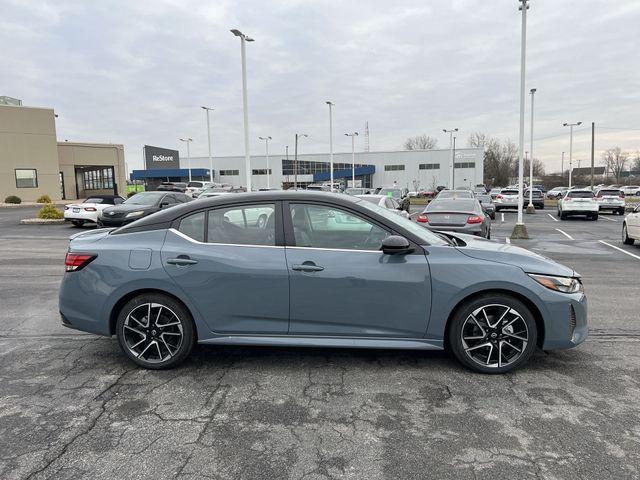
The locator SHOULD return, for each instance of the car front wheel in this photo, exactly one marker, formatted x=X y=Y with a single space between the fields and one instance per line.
x=155 y=331
x=493 y=334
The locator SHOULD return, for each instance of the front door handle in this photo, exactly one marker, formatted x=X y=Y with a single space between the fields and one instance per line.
x=307 y=267
x=181 y=260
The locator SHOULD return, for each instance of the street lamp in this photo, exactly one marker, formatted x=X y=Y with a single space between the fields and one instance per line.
x=330 y=141
x=353 y=156
x=247 y=156
x=295 y=161
x=519 y=230
x=450 y=132
x=266 y=146
x=188 y=141
x=208 y=109
x=530 y=207
x=571 y=125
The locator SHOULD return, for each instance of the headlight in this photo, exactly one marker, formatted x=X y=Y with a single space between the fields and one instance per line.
x=559 y=284
x=137 y=213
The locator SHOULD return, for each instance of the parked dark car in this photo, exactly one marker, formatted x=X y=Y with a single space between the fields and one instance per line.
x=486 y=202
x=537 y=198
x=138 y=206
x=401 y=195
x=172 y=187
x=464 y=215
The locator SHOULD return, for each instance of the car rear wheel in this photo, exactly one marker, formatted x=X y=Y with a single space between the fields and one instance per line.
x=155 y=331
x=625 y=236
x=493 y=334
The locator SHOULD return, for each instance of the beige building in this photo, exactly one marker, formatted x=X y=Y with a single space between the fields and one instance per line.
x=34 y=163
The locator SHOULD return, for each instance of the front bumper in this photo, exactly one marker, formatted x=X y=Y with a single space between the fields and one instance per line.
x=114 y=222
x=567 y=327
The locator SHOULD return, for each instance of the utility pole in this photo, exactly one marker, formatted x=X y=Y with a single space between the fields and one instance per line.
x=593 y=136
x=330 y=141
x=353 y=157
x=530 y=207
x=520 y=230
x=571 y=125
x=450 y=132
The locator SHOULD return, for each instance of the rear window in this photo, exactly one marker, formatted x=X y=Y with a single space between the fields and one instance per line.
x=450 y=205
x=195 y=184
x=612 y=193
x=580 y=195
x=536 y=193
x=95 y=200
x=510 y=192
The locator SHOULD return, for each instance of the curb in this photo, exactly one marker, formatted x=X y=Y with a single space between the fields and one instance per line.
x=55 y=203
x=42 y=221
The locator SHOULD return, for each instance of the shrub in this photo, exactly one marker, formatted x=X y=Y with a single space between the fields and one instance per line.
x=44 y=199
x=49 y=212
x=13 y=199
x=131 y=194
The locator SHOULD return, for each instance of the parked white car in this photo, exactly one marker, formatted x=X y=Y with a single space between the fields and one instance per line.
x=578 y=202
x=631 y=227
x=611 y=199
x=557 y=192
x=387 y=202
x=88 y=211
x=194 y=189
x=631 y=190
x=507 y=198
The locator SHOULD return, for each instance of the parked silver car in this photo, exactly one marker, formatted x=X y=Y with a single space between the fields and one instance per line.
x=462 y=215
x=507 y=198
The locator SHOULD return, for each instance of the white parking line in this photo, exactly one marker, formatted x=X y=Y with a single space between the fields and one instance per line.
x=552 y=217
x=565 y=234
x=607 y=218
x=508 y=240
x=502 y=218
x=620 y=249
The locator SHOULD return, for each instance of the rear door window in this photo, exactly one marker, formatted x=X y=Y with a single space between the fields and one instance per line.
x=193 y=226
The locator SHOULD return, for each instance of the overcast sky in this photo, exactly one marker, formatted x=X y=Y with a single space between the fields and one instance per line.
x=136 y=72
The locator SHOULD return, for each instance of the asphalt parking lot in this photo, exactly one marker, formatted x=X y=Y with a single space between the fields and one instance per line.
x=71 y=406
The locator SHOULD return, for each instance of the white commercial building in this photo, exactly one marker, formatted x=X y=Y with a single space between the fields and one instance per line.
x=413 y=169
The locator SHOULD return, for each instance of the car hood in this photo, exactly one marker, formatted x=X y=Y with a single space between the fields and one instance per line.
x=123 y=208
x=529 y=261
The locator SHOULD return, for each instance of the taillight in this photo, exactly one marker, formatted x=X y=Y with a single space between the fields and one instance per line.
x=474 y=219
x=422 y=218
x=621 y=195
x=90 y=209
x=500 y=197
x=76 y=261
x=599 y=196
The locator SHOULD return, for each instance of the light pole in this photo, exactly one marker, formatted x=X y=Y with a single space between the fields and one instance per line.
x=530 y=207
x=188 y=141
x=353 y=157
x=519 y=230
x=450 y=132
x=245 y=108
x=453 y=184
x=208 y=109
x=562 y=167
x=571 y=125
x=295 y=161
x=330 y=141
x=266 y=146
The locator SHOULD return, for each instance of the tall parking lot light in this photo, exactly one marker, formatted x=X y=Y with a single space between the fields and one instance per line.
x=266 y=146
x=188 y=141
x=571 y=125
x=353 y=157
x=295 y=160
x=247 y=156
x=450 y=132
x=330 y=141
x=208 y=109
x=520 y=230
x=530 y=207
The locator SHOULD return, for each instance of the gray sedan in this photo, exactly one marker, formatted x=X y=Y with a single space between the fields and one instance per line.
x=456 y=215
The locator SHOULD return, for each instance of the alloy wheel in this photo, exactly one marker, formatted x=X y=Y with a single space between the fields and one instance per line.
x=494 y=335
x=152 y=332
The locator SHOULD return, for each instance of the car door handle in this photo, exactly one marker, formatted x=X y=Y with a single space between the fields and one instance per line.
x=181 y=260
x=307 y=267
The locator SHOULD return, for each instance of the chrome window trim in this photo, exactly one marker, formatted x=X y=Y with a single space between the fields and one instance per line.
x=187 y=237
x=334 y=249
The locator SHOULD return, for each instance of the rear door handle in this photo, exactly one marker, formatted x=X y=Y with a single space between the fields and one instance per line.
x=181 y=260
x=307 y=267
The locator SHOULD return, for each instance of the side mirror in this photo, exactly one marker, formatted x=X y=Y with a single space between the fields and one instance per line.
x=396 y=245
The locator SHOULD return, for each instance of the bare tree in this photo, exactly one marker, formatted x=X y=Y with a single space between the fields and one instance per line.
x=420 y=142
x=635 y=166
x=538 y=168
x=477 y=139
x=615 y=160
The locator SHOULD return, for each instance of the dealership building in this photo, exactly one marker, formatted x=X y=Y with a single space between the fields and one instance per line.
x=34 y=163
x=413 y=169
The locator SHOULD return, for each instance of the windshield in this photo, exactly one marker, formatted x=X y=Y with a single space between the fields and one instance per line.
x=427 y=236
x=145 y=198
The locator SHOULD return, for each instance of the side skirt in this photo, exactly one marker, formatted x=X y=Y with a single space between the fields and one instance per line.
x=331 y=342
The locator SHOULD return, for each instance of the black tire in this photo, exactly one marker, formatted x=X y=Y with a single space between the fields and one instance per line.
x=493 y=216
x=156 y=333
x=625 y=236
x=489 y=234
x=621 y=211
x=77 y=223
x=594 y=217
x=492 y=301
x=563 y=216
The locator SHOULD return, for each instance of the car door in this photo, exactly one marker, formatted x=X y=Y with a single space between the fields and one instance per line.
x=633 y=224
x=232 y=267
x=341 y=284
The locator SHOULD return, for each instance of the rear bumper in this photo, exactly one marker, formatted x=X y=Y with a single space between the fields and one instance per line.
x=475 y=229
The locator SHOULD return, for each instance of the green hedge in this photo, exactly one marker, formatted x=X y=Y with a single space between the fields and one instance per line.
x=49 y=212
x=13 y=199
x=44 y=199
